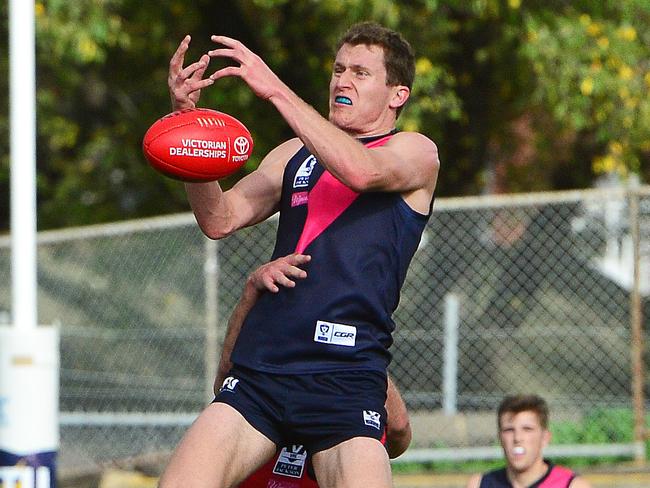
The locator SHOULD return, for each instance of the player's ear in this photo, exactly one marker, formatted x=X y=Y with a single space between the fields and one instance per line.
x=401 y=94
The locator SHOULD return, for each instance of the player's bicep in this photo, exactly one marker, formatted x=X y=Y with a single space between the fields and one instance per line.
x=257 y=196
x=406 y=163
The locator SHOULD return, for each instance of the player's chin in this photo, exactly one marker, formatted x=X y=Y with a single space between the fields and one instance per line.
x=342 y=121
x=519 y=464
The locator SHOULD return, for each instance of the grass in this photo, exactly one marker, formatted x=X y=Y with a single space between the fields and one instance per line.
x=599 y=426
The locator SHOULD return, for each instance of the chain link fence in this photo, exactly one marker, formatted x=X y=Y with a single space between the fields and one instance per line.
x=525 y=293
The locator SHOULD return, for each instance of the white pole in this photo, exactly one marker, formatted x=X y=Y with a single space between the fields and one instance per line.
x=450 y=367
x=29 y=355
x=22 y=101
x=211 y=276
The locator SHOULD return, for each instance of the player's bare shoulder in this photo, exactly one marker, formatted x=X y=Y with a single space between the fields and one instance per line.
x=281 y=154
x=418 y=148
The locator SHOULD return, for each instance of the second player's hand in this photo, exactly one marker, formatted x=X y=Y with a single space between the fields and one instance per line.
x=185 y=84
x=281 y=272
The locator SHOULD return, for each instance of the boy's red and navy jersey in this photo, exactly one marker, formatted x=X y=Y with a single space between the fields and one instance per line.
x=339 y=317
x=555 y=477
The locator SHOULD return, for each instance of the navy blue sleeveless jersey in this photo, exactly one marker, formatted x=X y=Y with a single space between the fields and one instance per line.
x=339 y=317
x=555 y=477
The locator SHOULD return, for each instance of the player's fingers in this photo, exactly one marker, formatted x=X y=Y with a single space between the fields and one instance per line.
x=190 y=71
x=203 y=65
x=269 y=284
x=283 y=279
x=182 y=90
x=295 y=272
x=198 y=85
x=226 y=41
x=298 y=259
x=224 y=72
x=225 y=53
x=176 y=62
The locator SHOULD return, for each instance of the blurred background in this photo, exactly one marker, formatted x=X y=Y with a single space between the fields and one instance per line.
x=525 y=280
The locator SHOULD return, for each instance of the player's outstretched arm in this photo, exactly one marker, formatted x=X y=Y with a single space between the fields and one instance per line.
x=283 y=272
x=406 y=164
x=398 y=426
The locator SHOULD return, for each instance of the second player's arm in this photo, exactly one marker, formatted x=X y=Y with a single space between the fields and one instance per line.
x=268 y=277
x=398 y=426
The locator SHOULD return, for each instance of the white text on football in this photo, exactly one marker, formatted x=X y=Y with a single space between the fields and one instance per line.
x=198 y=153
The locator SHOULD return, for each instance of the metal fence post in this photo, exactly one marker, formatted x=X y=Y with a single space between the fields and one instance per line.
x=638 y=400
x=450 y=367
x=211 y=274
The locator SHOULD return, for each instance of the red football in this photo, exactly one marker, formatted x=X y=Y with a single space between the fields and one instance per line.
x=197 y=144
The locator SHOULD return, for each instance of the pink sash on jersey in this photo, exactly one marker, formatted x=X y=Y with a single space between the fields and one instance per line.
x=328 y=199
x=559 y=477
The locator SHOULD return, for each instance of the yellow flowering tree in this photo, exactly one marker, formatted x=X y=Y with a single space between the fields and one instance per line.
x=593 y=73
x=519 y=95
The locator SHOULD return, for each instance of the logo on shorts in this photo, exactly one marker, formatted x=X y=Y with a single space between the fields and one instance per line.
x=291 y=462
x=301 y=180
x=373 y=419
x=229 y=384
x=337 y=334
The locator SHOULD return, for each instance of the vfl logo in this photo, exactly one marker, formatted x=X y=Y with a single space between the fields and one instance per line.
x=301 y=180
x=373 y=419
x=323 y=334
x=337 y=334
x=229 y=384
x=241 y=145
x=291 y=462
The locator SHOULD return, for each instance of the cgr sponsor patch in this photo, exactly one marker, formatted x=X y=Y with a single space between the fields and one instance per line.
x=337 y=334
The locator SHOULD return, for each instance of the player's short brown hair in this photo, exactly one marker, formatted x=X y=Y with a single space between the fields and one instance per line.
x=524 y=403
x=399 y=58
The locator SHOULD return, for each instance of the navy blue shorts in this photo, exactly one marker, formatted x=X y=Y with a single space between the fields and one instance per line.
x=317 y=411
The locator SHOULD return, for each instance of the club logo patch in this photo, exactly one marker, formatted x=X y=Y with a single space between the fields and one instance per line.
x=337 y=334
x=291 y=462
x=373 y=419
x=229 y=384
x=301 y=180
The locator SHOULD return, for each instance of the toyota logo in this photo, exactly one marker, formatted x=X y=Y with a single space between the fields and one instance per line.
x=241 y=145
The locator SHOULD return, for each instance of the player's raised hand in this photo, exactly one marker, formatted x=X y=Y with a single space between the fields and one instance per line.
x=252 y=69
x=185 y=84
x=281 y=272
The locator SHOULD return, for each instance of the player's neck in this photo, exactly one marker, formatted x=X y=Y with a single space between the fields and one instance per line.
x=526 y=478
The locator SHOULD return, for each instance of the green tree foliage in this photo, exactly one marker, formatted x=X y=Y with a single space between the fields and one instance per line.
x=518 y=95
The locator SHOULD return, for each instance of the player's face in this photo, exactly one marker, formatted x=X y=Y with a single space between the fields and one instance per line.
x=360 y=100
x=523 y=439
